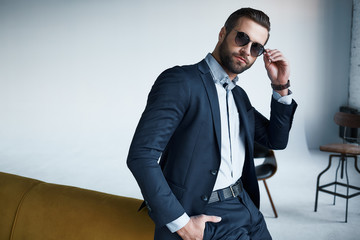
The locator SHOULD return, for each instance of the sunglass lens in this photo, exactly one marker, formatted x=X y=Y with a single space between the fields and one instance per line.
x=257 y=49
x=242 y=39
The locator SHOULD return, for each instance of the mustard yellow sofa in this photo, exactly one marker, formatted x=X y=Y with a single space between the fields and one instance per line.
x=34 y=210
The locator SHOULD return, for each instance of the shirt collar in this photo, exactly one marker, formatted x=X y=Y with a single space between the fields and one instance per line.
x=218 y=73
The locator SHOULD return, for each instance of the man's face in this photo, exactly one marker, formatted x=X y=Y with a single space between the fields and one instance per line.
x=235 y=59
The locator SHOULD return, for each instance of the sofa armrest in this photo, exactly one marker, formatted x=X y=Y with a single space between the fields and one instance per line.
x=13 y=189
x=51 y=211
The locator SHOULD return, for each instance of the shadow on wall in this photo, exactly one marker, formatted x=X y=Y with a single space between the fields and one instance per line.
x=332 y=88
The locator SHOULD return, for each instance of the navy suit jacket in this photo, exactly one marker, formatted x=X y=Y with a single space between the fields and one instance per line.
x=181 y=126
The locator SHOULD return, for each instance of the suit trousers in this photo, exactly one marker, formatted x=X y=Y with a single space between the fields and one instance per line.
x=240 y=220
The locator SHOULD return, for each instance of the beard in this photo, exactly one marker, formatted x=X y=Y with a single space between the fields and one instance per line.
x=228 y=62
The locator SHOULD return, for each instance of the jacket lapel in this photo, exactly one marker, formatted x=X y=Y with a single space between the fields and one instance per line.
x=213 y=98
x=244 y=119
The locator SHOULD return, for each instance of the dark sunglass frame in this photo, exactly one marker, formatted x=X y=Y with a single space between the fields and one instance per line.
x=242 y=39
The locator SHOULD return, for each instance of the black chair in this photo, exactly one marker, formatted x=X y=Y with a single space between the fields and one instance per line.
x=348 y=149
x=266 y=169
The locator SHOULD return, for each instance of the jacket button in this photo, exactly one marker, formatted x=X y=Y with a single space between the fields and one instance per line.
x=213 y=172
x=204 y=198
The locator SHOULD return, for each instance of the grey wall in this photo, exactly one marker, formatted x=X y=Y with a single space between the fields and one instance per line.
x=354 y=89
x=75 y=76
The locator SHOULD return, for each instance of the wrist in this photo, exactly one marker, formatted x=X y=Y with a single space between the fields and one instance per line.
x=281 y=87
x=185 y=230
x=178 y=223
x=282 y=93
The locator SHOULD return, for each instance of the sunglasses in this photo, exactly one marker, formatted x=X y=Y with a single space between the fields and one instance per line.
x=243 y=39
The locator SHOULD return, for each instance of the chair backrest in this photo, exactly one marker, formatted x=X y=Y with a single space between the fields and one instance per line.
x=349 y=122
x=264 y=152
x=347 y=119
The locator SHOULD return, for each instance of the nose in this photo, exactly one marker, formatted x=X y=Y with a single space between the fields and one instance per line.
x=246 y=49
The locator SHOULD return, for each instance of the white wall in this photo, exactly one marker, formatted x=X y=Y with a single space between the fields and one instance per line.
x=74 y=76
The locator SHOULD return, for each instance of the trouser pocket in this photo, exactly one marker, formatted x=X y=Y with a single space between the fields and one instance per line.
x=206 y=232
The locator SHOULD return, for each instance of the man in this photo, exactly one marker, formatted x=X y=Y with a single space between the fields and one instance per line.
x=203 y=127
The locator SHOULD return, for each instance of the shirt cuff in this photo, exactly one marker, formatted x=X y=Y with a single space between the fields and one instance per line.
x=178 y=223
x=283 y=99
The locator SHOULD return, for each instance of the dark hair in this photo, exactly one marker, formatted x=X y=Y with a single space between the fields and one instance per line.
x=253 y=14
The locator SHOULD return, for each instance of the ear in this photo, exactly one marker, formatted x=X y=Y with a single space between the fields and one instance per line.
x=222 y=34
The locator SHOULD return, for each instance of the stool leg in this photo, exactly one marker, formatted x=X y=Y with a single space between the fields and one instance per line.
x=356 y=166
x=336 y=176
x=318 y=183
x=271 y=201
x=347 y=190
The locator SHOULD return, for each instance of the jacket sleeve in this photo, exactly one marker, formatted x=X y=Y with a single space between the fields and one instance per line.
x=167 y=103
x=274 y=133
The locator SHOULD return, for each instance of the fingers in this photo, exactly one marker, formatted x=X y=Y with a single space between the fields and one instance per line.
x=213 y=219
x=266 y=59
x=273 y=55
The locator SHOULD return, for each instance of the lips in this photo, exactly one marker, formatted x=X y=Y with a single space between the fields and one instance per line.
x=241 y=59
